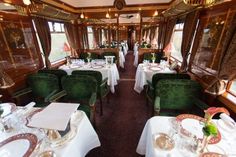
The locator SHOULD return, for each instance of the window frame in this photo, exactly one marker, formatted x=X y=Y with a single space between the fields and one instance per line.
x=229 y=84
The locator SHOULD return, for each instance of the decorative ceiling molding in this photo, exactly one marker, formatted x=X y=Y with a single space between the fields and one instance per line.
x=119 y=4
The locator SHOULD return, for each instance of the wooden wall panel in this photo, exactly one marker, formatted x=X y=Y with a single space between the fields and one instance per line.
x=19 y=51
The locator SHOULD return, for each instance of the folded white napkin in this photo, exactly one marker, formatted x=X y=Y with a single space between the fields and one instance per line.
x=55 y=116
x=228 y=120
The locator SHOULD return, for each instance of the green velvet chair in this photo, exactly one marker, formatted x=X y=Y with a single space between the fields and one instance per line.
x=150 y=90
x=42 y=86
x=102 y=87
x=79 y=89
x=85 y=56
x=58 y=72
x=109 y=54
x=176 y=96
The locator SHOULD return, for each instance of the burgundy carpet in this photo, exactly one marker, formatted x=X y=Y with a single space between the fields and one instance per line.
x=124 y=117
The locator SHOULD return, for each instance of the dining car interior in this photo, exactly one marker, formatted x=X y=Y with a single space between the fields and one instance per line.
x=117 y=78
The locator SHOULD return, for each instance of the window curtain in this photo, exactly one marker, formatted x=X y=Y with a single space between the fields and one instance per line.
x=83 y=34
x=227 y=67
x=96 y=36
x=169 y=31
x=71 y=32
x=160 y=32
x=190 y=24
x=44 y=37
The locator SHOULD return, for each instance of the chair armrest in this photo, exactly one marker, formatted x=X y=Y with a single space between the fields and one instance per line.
x=57 y=96
x=92 y=99
x=22 y=92
x=50 y=95
x=199 y=103
x=157 y=105
x=104 y=82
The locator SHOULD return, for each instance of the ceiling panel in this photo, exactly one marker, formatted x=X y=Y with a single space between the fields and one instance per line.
x=99 y=3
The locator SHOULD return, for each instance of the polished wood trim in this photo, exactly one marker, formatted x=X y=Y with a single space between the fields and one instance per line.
x=106 y=7
x=63 y=6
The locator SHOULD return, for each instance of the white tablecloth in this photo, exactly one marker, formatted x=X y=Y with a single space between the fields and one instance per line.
x=143 y=73
x=136 y=55
x=85 y=139
x=110 y=71
x=161 y=124
x=121 y=58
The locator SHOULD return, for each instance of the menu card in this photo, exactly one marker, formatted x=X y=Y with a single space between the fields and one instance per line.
x=55 y=116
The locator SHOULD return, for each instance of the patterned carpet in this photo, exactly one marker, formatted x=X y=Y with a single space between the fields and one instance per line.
x=124 y=117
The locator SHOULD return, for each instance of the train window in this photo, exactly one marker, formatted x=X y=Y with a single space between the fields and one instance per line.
x=232 y=88
x=176 y=42
x=90 y=37
x=58 y=42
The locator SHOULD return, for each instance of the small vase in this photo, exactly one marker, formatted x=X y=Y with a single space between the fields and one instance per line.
x=203 y=144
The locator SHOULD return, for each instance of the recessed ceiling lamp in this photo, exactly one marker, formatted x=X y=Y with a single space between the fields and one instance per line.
x=82 y=15
x=27 y=2
x=155 y=13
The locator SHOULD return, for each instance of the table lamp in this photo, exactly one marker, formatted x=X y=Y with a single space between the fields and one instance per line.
x=168 y=50
x=5 y=80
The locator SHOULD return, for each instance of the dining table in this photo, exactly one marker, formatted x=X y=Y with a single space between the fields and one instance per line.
x=109 y=71
x=145 y=71
x=184 y=145
x=21 y=139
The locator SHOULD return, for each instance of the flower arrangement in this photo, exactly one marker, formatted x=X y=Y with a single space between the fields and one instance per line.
x=210 y=129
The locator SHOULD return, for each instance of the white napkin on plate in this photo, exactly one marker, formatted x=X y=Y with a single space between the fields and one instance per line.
x=55 y=116
x=228 y=120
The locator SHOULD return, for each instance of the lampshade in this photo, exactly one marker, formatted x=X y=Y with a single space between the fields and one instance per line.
x=107 y=15
x=5 y=80
x=155 y=13
x=27 y=2
x=82 y=15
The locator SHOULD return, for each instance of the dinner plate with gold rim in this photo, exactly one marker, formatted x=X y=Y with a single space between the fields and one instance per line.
x=20 y=145
x=190 y=120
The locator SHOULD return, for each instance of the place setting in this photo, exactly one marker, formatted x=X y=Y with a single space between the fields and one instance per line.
x=40 y=133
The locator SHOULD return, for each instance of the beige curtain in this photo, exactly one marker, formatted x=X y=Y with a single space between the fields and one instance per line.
x=188 y=33
x=44 y=37
x=71 y=32
x=227 y=67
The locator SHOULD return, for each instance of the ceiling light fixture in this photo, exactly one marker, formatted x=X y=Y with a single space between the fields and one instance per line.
x=7 y=4
x=155 y=13
x=27 y=2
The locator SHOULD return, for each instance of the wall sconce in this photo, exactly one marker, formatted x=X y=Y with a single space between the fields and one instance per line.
x=107 y=15
x=155 y=13
x=27 y=2
x=82 y=15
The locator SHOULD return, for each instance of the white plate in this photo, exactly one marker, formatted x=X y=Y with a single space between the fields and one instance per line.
x=97 y=66
x=7 y=108
x=215 y=149
x=21 y=145
x=155 y=68
x=193 y=126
